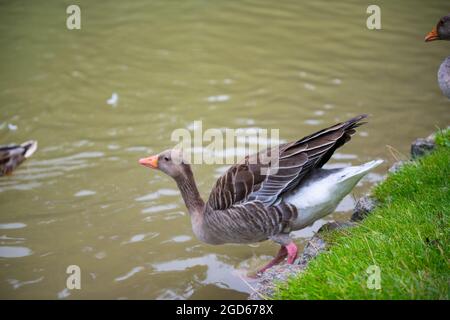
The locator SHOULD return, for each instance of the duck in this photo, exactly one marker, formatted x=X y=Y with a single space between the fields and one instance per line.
x=248 y=204
x=12 y=155
x=442 y=32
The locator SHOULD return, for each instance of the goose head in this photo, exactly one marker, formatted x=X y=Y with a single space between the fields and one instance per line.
x=441 y=31
x=169 y=161
x=173 y=163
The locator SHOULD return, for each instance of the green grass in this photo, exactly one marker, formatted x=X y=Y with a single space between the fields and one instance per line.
x=407 y=237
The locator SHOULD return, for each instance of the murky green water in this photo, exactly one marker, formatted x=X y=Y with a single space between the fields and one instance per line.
x=83 y=199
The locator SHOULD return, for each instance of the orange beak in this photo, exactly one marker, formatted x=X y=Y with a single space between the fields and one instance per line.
x=432 y=35
x=151 y=162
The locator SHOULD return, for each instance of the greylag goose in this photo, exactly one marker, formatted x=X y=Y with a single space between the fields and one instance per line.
x=11 y=156
x=246 y=206
x=442 y=32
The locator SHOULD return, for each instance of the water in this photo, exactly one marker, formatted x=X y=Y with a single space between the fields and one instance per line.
x=82 y=199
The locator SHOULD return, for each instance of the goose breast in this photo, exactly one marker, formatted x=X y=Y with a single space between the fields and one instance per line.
x=444 y=77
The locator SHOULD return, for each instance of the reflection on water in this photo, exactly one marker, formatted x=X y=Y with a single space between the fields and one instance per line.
x=100 y=98
x=84 y=193
x=217 y=272
x=17 y=284
x=129 y=274
x=13 y=225
x=157 y=194
x=14 y=252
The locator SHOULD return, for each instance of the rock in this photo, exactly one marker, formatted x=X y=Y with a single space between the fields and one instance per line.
x=267 y=282
x=397 y=166
x=335 y=225
x=363 y=208
x=421 y=147
x=314 y=246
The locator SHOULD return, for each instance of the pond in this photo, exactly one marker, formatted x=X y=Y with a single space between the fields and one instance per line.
x=99 y=98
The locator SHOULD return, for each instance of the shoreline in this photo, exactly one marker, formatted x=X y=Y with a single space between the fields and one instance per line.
x=276 y=282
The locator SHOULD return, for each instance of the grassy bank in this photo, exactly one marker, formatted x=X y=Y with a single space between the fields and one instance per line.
x=407 y=237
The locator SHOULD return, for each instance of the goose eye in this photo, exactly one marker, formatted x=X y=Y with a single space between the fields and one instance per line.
x=166 y=158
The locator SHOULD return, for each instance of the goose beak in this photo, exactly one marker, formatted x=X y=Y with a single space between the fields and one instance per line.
x=151 y=162
x=432 y=35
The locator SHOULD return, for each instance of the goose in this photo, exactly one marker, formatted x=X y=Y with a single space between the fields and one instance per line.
x=442 y=32
x=247 y=206
x=11 y=156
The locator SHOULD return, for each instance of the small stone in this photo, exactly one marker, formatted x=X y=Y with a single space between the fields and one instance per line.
x=314 y=246
x=267 y=282
x=397 y=166
x=363 y=208
x=421 y=147
x=335 y=225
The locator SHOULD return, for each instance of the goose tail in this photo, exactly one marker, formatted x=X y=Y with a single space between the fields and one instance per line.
x=357 y=172
x=366 y=167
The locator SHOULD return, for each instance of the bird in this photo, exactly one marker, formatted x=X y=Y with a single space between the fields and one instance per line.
x=249 y=205
x=442 y=32
x=11 y=156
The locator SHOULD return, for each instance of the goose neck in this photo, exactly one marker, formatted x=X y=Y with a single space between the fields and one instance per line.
x=189 y=192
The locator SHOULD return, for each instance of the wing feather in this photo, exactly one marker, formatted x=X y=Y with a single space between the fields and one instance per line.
x=245 y=182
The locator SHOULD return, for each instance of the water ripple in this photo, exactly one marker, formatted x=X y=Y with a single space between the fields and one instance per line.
x=12 y=225
x=131 y=273
x=14 y=252
x=160 y=208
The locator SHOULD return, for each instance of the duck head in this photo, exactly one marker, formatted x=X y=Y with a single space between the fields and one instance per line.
x=169 y=161
x=441 y=31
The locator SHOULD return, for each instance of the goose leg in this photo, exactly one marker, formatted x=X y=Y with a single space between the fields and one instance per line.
x=285 y=241
x=292 y=252
x=288 y=249
x=282 y=253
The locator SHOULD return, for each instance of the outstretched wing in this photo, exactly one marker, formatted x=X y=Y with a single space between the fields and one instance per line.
x=246 y=181
x=299 y=158
x=234 y=186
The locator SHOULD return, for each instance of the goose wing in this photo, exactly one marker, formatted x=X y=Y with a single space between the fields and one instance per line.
x=246 y=182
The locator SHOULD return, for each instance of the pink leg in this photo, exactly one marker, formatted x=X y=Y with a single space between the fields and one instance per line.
x=282 y=253
x=291 y=252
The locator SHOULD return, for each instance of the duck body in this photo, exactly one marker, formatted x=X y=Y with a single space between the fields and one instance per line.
x=444 y=77
x=248 y=204
x=11 y=156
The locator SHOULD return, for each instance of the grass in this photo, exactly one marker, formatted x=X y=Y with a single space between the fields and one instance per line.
x=407 y=237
